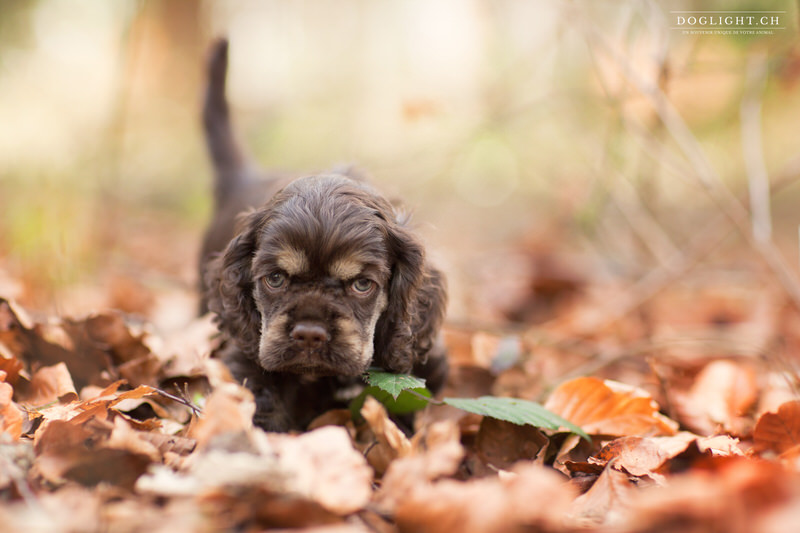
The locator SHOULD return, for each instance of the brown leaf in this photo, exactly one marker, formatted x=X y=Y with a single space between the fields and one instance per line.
x=720 y=396
x=501 y=444
x=779 y=432
x=636 y=455
x=89 y=453
x=606 y=502
x=721 y=494
x=334 y=417
x=437 y=452
x=391 y=442
x=260 y=509
x=227 y=419
x=48 y=385
x=10 y=415
x=495 y=504
x=325 y=468
x=134 y=360
x=609 y=408
x=169 y=443
x=10 y=364
x=678 y=443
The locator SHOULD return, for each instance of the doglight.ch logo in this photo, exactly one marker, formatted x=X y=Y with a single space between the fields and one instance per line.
x=728 y=22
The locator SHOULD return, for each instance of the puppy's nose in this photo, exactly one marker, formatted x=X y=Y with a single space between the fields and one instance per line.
x=309 y=335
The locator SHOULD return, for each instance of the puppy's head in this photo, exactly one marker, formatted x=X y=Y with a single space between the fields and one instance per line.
x=319 y=281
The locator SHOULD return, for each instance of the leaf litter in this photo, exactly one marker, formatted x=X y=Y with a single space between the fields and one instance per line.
x=107 y=425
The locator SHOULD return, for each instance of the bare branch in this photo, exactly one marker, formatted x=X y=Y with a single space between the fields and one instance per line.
x=757 y=178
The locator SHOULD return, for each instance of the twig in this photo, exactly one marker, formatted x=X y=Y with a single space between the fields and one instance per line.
x=181 y=400
x=752 y=151
x=658 y=279
x=703 y=171
x=421 y=397
x=649 y=230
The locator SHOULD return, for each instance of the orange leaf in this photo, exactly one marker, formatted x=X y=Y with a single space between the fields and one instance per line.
x=49 y=384
x=10 y=417
x=637 y=455
x=609 y=408
x=779 y=432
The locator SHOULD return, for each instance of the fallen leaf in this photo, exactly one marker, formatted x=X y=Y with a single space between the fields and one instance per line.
x=227 y=419
x=495 y=504
x=49 y=384
x=607 y=502
x=325 y=468
x=10 y=415
x=637 y=456
x=258 y=509
x=609 y=408
x=10 y=364
x=779 y=432
x=391 y=442
x=86 y=453
x=436 y=453
x=722 y=393
x=721 y=494
x=501 y=444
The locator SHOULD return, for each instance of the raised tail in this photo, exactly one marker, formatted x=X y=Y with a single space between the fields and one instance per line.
x=227 y=157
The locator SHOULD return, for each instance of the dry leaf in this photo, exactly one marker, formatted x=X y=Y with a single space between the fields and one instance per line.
x=723 y=494
x=721 y=395
x=10 y=415
x=48 y=385
x=227 y=419
x=532 y=498
x=609 y=408
x=437 y=452
x=501 y=444
x=325 y=468
x=391 y=442
x=606 y=502
x=779 y=432
x=80 y=452
x=636 y=455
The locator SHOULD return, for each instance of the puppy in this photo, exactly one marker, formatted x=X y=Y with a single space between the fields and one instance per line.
x=312 y=281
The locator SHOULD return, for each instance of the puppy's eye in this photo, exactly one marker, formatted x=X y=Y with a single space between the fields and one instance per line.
x=362 y=286
x=276 y=280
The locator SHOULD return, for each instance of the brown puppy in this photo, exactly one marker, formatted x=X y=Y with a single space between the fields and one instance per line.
x=316 y=285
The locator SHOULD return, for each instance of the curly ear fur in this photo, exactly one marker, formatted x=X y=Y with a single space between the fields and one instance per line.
x=407 y=330
x=230 y=286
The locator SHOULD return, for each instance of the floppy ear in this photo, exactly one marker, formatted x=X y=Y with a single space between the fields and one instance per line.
x=427 y=316
x=394 y=337
x=230 y=286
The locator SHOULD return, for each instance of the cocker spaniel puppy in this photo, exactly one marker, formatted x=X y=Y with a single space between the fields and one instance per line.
x=312 y=282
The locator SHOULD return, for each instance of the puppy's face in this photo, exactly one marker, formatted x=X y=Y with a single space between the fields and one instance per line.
x=321 y=274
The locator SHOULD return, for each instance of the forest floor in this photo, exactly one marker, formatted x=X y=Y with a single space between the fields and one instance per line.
x=118 y=420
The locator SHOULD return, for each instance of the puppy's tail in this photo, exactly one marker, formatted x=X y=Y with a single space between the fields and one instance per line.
x=226 y=155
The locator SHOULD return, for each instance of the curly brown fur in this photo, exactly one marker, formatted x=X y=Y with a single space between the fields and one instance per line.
x=316 y=285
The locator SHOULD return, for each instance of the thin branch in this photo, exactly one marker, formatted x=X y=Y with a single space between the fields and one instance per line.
x=703 y=171
x=752 y=148
x=181 y=400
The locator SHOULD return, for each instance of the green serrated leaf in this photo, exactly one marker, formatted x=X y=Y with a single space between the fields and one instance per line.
x=394 y=384
x=405 y=403
x=515 y=411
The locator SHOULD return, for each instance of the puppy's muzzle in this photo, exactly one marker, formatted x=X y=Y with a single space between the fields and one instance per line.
x=309 y=337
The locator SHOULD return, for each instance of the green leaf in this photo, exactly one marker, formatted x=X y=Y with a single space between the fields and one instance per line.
x=515 y=411
x=394 y=384
x=405 y=402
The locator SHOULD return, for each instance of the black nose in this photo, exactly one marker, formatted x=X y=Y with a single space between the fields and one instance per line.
x=309 y=335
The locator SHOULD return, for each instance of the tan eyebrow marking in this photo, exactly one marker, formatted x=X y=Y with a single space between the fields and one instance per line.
x=292 y=260
x=345 y=268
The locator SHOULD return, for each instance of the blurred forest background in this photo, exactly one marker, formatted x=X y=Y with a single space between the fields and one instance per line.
x=544 y=147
